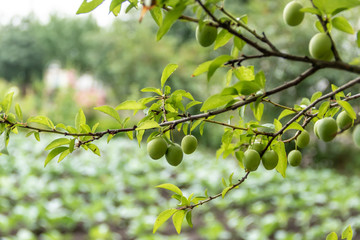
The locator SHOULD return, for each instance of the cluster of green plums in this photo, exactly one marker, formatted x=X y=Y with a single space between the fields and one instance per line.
x=206 y=34
x=320 y=44
x=158 y=147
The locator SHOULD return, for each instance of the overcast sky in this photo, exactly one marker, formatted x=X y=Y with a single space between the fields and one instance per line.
x=42 y=8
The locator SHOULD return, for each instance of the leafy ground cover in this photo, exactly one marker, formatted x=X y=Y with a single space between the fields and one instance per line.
x=114 y=197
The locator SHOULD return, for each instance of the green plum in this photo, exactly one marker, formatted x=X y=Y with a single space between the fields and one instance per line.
x=189 y=144
x=206 y=34
x=156 y=148
x=270 y=159
x=257 y=146
x=303 y=139
x=344 y=121
x=327 y=129
x=320 y=47
x=292 y=14
x=251 y=160
x=174 y=154
x=356 y=135
x=294 y=158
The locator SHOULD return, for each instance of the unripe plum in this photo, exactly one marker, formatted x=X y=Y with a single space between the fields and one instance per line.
x=251 y=160
x=156 y=148
x=189 y=144
x=292 y=14
x=294 y=158
x=327 y=129
x=259 y=147
x=320 y=47
x=270 y=159
x=174 y=154
x=344 y=121
x=303 y=139
x=356 y=135
x=205 y=34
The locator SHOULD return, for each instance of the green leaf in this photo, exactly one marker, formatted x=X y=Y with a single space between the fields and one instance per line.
x=6 y=103
x=216 y=101
x=148 y=125
x=130 y=105
x=294 y=125
x=140 y=135
x=204 y=67
x=163 y=217
x=277 y=124
x=348 y=108
x=63 y=155
x=18 y=112
x=37 y=136
x=245 y=73
x=323 y=108
x=358 y=39
x=152 y=89
x=170 y=187
x=169 y=69
x=216 y=63
x=4 y=140
x=86 y=6
x=72 y=145
x=332 y=236
x=109 y=111
x=285 y=113
x=332 y=6
x=315 y=96
x=57 y=142
x=260 y=79
x=53 y=153
x=222 y=38
x=225 y=191
x=191 y=104
x=178 y=219
x=157 y=15
x=247 y=87
x=342 y=24
x=311 y=10
x=169 y=19
x=279 y=148
x=189 y=218
x=239 y=43
x=347 y=233
x=80 y=119
x=94 y=148
x=43 y=120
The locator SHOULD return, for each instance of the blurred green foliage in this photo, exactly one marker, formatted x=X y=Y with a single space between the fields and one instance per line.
x=114 y=197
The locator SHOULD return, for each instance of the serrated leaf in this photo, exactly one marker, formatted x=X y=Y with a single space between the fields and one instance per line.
x=178 y=219
x=7 y=102
x=115 y=7
x=43 y=120
x=149 y=124
x=332 y=236
x=323 y=108
x=191 y=104
x=342 y=24
x=222 y=38
x=223 y=193
x=169 y=69
x=18 y=112
x=94 y=148
x=204 y=67
x=130 y=105
x=169 y=19
x=215 y=101
x=139 y=136
x=163 y=217
x=216 y=63
x=53 y=153
x=347 y=233
x=239 y=43
x=170 y=187
x=152 y=89
x=109 y=111
x=247 y=87
x=245 y=73
x=189 y=218
x=57 y=142
x=294 y=125
x=348 y=108
x=279 y=148
x=277 y=124
x=72 y=145
x=86 y=6
x=315 y=96
x=335 y=6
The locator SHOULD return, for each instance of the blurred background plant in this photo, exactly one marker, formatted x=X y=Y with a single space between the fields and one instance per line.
x=58 y=66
